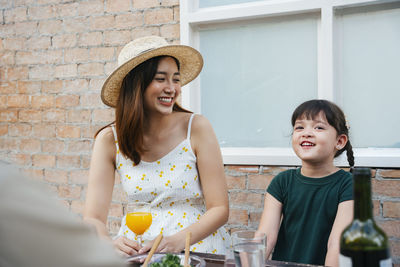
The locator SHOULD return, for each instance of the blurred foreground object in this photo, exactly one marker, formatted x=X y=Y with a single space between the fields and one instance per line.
x=36 y=230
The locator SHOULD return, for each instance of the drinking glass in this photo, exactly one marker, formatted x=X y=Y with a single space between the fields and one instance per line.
x=138 y=218
x=249 y=250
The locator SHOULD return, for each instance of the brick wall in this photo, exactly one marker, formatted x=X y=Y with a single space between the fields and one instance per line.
x=54 y=57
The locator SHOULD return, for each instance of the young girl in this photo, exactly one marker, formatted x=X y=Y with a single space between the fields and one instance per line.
x=306 y=209
x=164 y=154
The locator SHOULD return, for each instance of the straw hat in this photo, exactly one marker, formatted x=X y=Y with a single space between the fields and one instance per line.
x=142 y=49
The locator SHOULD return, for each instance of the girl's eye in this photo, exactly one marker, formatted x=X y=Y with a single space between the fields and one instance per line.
x=298 y=127
x=319 y=127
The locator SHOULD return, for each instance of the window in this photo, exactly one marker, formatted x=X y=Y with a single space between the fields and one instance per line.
x=263 y=58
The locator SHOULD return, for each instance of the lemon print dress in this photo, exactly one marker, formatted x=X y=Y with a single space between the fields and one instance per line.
x=172 y=185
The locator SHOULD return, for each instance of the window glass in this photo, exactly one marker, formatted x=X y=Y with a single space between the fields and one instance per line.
x=369 y=76
x=213 y=3
x=254 y=75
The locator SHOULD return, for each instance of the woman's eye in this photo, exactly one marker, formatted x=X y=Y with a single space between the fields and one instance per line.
x=177 y=80
x=159 y=79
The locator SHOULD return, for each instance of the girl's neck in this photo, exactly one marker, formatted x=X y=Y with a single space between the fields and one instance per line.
x=318 y=170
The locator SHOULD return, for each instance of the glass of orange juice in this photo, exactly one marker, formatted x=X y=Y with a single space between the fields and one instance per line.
x=138 y=218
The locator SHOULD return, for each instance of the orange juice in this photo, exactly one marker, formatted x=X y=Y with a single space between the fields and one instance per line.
x=138 y=222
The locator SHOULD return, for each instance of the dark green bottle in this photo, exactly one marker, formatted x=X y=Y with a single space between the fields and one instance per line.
x=363 y=243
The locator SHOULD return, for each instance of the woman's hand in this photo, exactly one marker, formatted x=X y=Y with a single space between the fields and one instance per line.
x=169 y=244
x=125 y=246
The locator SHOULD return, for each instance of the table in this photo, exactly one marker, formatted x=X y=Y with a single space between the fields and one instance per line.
x=214 y=260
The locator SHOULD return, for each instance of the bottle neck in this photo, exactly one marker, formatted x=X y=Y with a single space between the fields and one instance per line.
x=362 y=198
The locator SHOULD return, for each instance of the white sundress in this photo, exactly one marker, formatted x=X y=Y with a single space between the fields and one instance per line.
x=172 y=185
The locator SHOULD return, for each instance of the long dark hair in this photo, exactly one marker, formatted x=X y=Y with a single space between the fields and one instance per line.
x=335 y=117
x=129 y=111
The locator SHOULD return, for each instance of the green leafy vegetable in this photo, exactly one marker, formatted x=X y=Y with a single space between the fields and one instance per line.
x=168 y=260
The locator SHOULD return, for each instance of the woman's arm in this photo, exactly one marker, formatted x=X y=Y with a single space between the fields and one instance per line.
x=213 y=182
x=344 y=216
x=100 y=188
x=270 y=222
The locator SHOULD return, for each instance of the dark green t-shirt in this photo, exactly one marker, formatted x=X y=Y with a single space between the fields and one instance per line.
x=309 y=207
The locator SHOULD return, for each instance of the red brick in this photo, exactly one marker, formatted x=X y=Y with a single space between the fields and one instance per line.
x=44 y=130
x=53 y=146
x=236 y=182
x=8 y=115
x=170 y=2
x=14 y=43
x=102 y=53
x=255 y=218
x=3 y=102
x=91 y=69
x=20 y=159
x=53 y=115
x=20 y=129
x=103 y=115
x=64 y=161
x=80 y=146
x=238 y=216
x=391 y=228
x=90 y=39
x=18 y=101
x=390 y=173
x=77 y=206
x=102 y=23
x=88 y=8
x=39 y=57
x=7 y=87
x=76 y=25
x=170 y=31
x=246 y=198
x=50 y=27
x=259 y=181
x=128 y=21
x=68 y=131
x=56 y=176
x=96 y=84
x=238 y=169
x=117 y=6
x=29 y=115
x=26 y=28
x=42 y=101
x=79 y=177
x=40 y=160
x=85 y=161
x=67 y=10
x=109 y=67
x=67 y=101
x=76 y=55
x=15 y=14
x=64 y=41
x=376 y=208
x=30 y=145
x=52 y=87
x=66 y=71
x=89 y=132
x=28 y=87
x=41 y=12
x=386 y=187
x=78 y=115
x=33 y=174
x=115 y=37
x=395 y=248
x=158 y=16
x=75 y=85
x=17 y=73
x=8 y=144
x=391 y=209
x=65 y=191
x=7 y=57
x=91 y=100
x=3 y=129
x=145 y=31
x=38 y=42
x=41 y=72
x=145 y=4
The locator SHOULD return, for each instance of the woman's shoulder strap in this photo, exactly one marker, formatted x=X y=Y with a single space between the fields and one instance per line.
x=190 y=126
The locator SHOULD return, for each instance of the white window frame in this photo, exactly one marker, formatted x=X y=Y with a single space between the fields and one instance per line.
x=191 y=17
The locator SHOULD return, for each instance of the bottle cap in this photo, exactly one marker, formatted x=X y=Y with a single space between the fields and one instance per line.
x=361 y=171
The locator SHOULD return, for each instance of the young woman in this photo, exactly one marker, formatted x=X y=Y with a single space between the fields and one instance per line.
x=164 y=154
x=314 y=201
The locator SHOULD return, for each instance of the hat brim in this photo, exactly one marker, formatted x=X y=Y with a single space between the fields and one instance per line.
x=190 y=61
